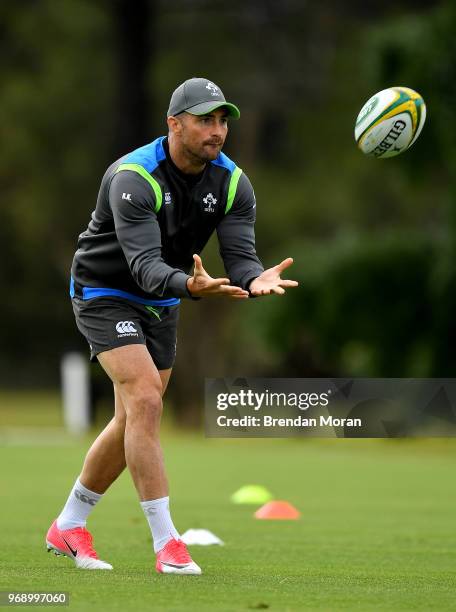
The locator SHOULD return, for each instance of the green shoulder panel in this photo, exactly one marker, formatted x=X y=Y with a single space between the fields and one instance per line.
x=234 y=180
x=150 y=179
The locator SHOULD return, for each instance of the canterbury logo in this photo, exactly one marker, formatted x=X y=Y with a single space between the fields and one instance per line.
x=84 y=498
x=126 y=327
x=150 y=511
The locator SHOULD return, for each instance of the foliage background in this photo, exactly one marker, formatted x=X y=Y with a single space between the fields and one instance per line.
x=373 y=240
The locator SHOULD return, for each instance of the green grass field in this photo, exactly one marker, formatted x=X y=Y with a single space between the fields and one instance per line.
x=377 y=530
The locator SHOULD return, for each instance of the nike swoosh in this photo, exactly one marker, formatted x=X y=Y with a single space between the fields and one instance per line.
x=75 y=552
x=176 y=565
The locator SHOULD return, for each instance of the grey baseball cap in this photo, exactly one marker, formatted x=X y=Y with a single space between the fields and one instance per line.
x=199 y=96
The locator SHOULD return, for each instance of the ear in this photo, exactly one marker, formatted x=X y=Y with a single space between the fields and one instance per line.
x=174 y=125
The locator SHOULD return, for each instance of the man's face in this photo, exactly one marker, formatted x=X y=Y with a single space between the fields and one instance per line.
x=203 y=136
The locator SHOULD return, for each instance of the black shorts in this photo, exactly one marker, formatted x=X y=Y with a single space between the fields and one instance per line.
x=109 y=322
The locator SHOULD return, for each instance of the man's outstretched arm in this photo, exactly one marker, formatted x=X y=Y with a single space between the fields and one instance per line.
x=236 y=236
x=132 y=203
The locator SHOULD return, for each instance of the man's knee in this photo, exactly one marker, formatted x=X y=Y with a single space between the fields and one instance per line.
x=143 y=403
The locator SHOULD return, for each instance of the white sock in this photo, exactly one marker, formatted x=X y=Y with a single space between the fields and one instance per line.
x=79 y=505
x=160 y=522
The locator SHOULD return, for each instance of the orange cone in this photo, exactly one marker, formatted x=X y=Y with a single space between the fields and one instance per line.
x=277 y=510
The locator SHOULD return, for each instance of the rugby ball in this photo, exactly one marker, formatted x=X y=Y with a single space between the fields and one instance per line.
x=390 y=122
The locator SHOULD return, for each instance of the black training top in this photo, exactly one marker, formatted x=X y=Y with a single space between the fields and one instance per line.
x=149 y=220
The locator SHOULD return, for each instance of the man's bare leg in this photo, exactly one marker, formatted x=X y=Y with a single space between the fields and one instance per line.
x=105 y=460
x=139 y=387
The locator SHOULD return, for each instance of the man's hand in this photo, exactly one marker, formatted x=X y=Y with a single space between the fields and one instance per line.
x=270 y=282
x=202 y=285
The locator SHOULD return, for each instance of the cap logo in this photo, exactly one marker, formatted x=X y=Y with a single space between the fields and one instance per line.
x=212 y=88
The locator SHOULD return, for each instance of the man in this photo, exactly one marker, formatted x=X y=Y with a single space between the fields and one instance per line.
x=156 y=209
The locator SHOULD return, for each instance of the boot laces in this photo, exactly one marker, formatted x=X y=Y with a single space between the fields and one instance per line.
x=85 y=539
x=179 y=551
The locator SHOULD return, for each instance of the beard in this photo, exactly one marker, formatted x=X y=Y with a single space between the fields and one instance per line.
x=206 y=152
